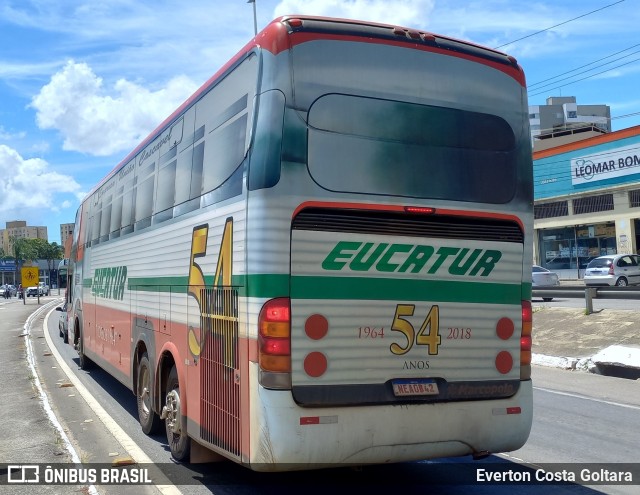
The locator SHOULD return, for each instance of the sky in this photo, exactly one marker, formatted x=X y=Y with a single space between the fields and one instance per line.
x=82 y=82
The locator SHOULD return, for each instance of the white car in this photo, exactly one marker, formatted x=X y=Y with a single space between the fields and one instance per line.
x=541 y=278
x=613 y=269
x=38 y=290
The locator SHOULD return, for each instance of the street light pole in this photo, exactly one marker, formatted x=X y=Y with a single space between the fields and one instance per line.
x=255 y=17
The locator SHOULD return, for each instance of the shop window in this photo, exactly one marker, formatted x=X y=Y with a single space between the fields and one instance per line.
x=574 y=247
x=591 y=204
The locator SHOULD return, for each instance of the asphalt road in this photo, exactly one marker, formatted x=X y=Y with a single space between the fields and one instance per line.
x=579 y=418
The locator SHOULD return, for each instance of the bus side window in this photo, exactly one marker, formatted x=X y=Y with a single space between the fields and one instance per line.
x=166 y=192
x=198 y=163
x=188 y=173
x=105 y=221
x=124 y=221
x=144 y=196
x=116 y=214
x=226 y=114
x=264 y=170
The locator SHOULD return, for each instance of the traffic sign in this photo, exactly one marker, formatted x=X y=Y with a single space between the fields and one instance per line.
x=30 y=276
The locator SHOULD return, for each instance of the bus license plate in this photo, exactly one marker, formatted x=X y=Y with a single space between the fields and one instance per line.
x=404 y=388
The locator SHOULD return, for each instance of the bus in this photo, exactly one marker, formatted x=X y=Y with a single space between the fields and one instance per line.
x=63 y=273
x=323 y=256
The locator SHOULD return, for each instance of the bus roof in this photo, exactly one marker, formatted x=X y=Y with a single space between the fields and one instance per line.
x=290 y=30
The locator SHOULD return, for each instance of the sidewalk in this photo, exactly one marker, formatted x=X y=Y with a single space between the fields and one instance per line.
x=29 y=437
x=568 y=338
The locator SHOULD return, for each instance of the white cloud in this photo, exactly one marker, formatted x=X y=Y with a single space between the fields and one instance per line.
x=102 y=121
x=29 y=184
x=400 y=12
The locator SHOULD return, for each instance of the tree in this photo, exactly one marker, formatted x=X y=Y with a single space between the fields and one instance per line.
x=50 y=252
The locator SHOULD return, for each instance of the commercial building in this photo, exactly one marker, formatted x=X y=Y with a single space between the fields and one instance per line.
x=562 y=116
x=587 y=200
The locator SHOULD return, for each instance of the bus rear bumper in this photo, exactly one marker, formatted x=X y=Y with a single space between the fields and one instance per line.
x=288 y=437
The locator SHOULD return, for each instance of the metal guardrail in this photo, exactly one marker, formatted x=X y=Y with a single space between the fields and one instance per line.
x=589 y=293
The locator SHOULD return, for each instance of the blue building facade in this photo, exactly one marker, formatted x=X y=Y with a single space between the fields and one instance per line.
x=587 y=200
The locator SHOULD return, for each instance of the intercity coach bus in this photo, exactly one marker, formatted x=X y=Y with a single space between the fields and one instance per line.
x=322 y=258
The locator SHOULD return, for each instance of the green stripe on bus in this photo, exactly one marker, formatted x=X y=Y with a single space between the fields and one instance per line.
x=363 y=288
x=263 y=285
x=404 y=289
x=159 y=284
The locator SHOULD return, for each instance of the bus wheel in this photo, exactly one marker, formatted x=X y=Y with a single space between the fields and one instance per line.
x=83 y=360
x=149 y=420
x=175 y=422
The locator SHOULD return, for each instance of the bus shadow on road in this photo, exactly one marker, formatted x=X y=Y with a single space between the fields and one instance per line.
x=112 y=387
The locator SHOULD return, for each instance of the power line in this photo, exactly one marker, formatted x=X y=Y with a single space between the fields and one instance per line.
x=555 y=83
x=562 y=23
x=625 y=116
x=587 y=77
x=587 y=65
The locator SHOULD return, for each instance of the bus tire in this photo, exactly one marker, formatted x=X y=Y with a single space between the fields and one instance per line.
x=83 y=361
x=175 y=422
x=149 y=419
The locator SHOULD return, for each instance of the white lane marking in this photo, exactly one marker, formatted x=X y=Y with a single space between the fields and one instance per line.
x=584 y=397
x=132 y=448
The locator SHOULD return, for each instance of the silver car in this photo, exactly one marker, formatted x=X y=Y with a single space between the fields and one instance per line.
x=613 y=269
x=541 y=278
x=63 y=324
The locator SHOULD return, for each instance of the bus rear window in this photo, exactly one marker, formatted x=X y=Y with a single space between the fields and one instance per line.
x=384 y=147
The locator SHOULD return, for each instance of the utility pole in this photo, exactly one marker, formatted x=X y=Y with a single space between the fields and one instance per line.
x=255 y=17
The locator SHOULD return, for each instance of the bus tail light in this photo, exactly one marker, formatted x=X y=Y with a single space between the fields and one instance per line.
x=525 y=341
x=274 y=344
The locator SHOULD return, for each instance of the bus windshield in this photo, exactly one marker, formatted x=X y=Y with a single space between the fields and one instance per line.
x=405 y=149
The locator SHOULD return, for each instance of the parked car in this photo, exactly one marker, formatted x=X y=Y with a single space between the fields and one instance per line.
x=613 y=269
x=541 y=278
x=63 y=323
